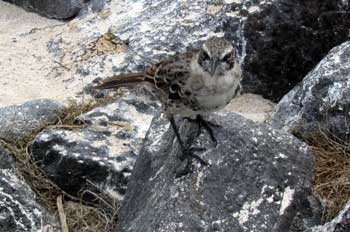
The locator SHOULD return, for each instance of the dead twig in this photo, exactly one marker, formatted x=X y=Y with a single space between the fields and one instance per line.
x=62 y=215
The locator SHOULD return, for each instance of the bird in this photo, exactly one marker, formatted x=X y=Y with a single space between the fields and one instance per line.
x=190 y=84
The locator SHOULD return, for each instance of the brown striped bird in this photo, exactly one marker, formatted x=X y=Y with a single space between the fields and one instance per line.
x=190 y=84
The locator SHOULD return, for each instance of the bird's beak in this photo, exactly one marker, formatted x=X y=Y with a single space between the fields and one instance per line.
x=213 y=65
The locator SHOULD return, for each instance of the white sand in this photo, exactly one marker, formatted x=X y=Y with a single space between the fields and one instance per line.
x=26 y=69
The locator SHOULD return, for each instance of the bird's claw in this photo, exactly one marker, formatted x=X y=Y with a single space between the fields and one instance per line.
x=207 y=125
x=212 y=124
x=187 y=170
x=189 y=155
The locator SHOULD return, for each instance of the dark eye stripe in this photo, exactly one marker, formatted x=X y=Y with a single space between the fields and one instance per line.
x=205 y=55
x=174 y=88
x=227 y=57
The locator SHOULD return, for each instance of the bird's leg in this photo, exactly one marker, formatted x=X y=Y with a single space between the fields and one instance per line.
x=185 y=150
x=207 y=126
x=187 y=153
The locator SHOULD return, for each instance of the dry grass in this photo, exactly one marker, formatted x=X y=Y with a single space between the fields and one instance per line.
x=80 y=218
x=332 y=172
x=84 y=218
x=67 y=117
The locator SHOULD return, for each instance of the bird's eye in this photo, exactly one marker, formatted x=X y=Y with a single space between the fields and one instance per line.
x=227 y=57
x=205 y=55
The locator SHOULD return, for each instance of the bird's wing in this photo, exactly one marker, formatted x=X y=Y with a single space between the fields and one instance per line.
x=171 y=74
x=121 y=80
x=168 y=75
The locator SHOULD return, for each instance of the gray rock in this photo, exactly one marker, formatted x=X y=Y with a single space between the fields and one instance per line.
x=101 y=156
x=339 y=224
x=7 y=162
x=94 y=6
x=18 y=122
x=285 y=40
x=57 y=9
x=19 y=211
x=259 y=179
x=322 y=100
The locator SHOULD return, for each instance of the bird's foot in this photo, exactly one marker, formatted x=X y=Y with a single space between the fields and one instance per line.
x=187 y=152
x=188 y=155
x=207 y=125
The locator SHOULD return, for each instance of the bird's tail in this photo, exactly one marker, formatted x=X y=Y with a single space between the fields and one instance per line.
x=122 y=80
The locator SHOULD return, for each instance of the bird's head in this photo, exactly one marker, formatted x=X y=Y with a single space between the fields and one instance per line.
x=217 y=56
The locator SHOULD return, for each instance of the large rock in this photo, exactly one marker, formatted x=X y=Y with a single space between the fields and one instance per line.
x=100 y=156
x=19 y=211
x=285 y=39
x=58 y=9
x=321 y=101
x=341 y=223
x=259 y=179
x=18 y=122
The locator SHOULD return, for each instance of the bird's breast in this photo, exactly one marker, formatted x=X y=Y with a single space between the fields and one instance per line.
x=218 y=99
x=213 y=93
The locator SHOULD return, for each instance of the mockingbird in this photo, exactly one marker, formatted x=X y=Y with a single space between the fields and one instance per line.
x=191 y=84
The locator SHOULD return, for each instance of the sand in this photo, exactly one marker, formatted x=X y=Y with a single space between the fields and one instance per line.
x=27 y=71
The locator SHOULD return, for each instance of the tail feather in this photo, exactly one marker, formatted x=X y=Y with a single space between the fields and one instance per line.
x=122 y=80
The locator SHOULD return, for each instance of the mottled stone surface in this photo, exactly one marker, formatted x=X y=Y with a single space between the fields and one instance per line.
x=17 y=122
x=58 y=9
x=321 y=101
x=19 y=211
x=285 y=39
x=100 y=156
x=341 y=223
x=259 y=179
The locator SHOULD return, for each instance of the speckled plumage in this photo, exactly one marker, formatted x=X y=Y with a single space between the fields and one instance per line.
x=185 y=83
x=191 y=84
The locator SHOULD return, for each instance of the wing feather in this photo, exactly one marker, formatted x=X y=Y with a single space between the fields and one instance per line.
x=168 y=75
